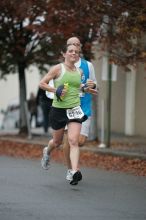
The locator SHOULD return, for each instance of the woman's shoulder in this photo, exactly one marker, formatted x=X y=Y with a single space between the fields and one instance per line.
x=56 y=67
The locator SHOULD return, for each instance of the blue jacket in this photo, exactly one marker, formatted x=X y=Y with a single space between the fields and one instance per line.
x=86 y=100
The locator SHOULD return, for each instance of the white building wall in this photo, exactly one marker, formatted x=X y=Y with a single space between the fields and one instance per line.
x=140 y=111
x=9 y=89
x=119 y=116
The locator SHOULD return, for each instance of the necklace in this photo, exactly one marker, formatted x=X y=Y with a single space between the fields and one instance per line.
x=72 y=68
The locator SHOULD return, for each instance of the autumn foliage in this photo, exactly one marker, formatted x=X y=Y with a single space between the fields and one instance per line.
x=33 y=32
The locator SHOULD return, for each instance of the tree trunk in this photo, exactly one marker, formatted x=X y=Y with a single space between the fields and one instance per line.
x=22 y=99
x=93 y=134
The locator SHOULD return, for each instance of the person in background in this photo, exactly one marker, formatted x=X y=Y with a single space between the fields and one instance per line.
x=45 y=103
x=32 y=108
x=88 y=78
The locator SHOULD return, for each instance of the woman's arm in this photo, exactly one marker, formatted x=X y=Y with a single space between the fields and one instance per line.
x=53 y=73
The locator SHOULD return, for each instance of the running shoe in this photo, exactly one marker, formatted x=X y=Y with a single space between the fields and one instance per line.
x=76 y=176
x=79 y=175
x=69 y=175
x=45 y=162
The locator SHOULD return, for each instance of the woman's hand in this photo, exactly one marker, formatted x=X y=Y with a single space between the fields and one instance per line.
x=89 y=87
x=91 y=91
x=90 y=83
x=61 y=91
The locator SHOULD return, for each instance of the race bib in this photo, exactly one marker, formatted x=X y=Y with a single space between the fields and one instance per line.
x=75 y=113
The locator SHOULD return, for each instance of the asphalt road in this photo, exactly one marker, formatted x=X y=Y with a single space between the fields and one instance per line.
x=29 y=193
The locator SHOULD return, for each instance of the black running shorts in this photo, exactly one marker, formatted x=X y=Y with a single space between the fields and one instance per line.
x=58 y=118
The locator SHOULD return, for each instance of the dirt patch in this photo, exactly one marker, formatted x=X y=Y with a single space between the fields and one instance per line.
x=87 y=158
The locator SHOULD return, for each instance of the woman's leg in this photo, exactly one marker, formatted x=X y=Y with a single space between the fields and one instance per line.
x=66 y=150
x=56 y=140
x=73 y=138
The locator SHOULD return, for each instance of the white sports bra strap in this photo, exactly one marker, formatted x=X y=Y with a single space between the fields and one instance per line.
x=78 y=69
x=62 y=68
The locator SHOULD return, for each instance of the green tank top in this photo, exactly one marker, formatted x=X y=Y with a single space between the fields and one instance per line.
x=71 y=98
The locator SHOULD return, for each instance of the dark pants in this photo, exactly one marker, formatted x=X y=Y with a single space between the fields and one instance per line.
x=33 y=114
x=46 y=110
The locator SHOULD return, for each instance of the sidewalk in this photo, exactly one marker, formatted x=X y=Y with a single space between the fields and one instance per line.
x=127 y=146
x=127 y=154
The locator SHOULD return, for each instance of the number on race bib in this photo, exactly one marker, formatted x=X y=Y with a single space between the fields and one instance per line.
x=75 y=113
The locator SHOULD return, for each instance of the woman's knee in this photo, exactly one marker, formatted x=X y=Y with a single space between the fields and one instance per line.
x=82 y=140
x=57 y=143
x=73 y=141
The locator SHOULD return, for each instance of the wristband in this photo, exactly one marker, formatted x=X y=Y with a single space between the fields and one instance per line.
x=83 y=87
x=59 y=91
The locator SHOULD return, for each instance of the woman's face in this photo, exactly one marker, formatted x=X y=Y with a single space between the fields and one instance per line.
x=72 y=53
